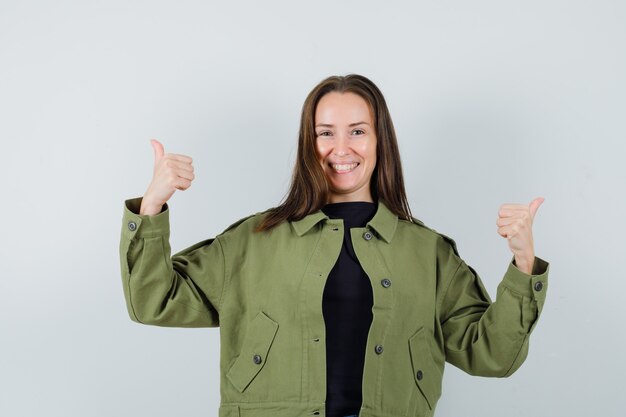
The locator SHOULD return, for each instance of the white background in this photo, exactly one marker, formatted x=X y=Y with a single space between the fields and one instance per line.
x=493 y=101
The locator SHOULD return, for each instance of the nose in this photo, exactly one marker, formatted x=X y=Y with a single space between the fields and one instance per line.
x=341 y=147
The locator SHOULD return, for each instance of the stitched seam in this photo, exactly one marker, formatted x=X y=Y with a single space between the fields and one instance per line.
x=440 y=303
x=514 y=291
x=173 y=274
x=382 y=266
x=306 y=327
x=130 y=297
x=225 y=281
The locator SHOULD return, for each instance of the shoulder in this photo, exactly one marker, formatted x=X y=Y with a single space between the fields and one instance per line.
x=244 y=225
x=443 y=241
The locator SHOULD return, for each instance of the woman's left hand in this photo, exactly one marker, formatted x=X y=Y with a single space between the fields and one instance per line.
x=515 y=224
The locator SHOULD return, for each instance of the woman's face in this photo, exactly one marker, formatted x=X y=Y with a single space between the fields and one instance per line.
x=346 y=145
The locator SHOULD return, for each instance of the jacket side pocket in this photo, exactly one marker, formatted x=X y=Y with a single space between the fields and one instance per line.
x=254 y=352
x=425 y=373
x=228 y=411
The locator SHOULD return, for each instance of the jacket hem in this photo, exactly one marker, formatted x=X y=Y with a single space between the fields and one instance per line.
x=294 y=409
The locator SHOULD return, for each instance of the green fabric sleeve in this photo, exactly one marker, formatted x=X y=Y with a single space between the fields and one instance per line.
x=488 y=338
x=183 y=290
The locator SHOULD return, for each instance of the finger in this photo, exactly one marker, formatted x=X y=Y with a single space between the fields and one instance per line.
x=180 y=157
x=158 y=150
x=182 y=184
x=507 y=212
x=504 y=231
x=510 y=209
x=507 y=232
x=505 y=221
x=176 y=164
x=188 y=175
x=514 y=206
x=534 y=206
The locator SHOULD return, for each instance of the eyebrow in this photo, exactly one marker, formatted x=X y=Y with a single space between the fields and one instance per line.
x=350 y=125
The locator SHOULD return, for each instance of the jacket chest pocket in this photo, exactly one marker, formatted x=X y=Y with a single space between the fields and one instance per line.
x=254 y=351
x=425 y=372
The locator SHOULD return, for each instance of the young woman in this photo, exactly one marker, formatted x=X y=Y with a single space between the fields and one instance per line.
x=337 y=302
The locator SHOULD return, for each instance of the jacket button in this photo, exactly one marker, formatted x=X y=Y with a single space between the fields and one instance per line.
x=386 y=282
x=367 y=236
x=132 y=226
x=379 y=349
x=257 y=359
x=419 y=375
x=538 y=286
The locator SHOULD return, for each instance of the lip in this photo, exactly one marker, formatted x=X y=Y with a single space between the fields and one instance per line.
x=331 y=165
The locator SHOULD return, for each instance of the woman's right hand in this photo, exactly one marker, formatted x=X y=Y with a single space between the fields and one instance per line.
x=171 y=172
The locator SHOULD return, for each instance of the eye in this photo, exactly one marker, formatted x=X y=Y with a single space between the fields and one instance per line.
x=324 y=133
x=358 y=132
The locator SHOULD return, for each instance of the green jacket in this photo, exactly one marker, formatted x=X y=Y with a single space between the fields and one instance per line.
x=264 y=291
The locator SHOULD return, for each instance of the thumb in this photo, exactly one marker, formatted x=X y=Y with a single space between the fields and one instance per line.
x=534 y=205
x=158 y=150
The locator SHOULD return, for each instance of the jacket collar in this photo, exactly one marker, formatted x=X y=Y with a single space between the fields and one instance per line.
x=383 y=223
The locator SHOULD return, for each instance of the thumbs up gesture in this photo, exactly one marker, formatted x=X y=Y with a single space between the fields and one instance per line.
x=171 y=172
x=515 y=224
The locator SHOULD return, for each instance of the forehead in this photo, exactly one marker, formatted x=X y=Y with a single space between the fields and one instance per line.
x=339 y=108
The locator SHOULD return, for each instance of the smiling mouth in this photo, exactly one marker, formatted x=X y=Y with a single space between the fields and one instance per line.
x=343 y=168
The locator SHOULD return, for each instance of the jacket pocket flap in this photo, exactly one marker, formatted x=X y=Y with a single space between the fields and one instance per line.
x=253 y=356
x=425 y=373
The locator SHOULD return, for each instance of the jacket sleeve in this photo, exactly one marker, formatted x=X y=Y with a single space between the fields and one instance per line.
x=183 y=290
x=488 y=338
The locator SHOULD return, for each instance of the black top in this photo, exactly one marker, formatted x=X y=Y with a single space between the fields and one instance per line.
x=347 y=308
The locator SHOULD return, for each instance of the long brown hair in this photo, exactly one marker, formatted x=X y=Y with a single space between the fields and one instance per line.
x=309 y=188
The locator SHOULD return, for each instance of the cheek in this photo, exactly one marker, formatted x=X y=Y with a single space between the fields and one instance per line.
x=372 y=151
x=321 y=150
x=368 y=151
x=373 y=155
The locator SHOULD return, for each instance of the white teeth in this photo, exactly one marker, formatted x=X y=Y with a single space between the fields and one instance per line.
x=344 y=167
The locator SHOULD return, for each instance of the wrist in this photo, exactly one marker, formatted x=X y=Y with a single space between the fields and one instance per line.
x=149 y=208
x=524 y=264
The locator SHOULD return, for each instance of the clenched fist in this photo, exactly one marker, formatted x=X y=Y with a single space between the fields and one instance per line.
x=171 y=172
x=515 y=224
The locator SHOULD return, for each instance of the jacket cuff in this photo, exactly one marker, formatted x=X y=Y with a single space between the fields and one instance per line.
x=135 y=225
x=534 y=285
